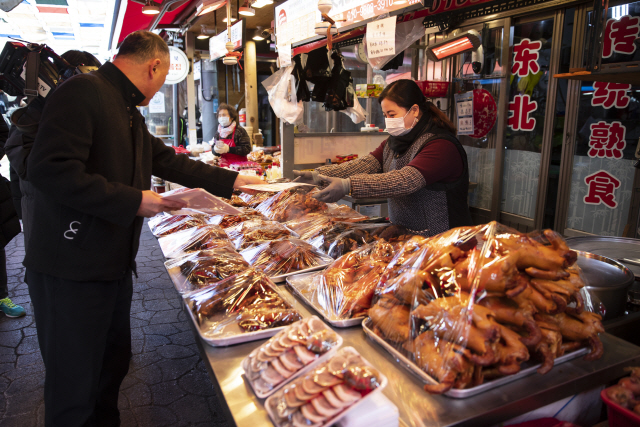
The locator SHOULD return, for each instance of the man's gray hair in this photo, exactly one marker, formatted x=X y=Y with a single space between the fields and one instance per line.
x=141 y=46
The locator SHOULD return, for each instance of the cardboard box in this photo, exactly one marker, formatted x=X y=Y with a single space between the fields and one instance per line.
x=368 y=90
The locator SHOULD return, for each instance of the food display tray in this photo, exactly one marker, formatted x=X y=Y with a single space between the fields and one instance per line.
x=467 y=392
x=237 y=336
x=383 y=383
x=302 y=371
x=343 y=323
x=283 y=277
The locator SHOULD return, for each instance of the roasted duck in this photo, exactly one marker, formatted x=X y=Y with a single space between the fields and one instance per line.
x=203 y=268
x=249 y=232
x=284 y=256
x=290 y=204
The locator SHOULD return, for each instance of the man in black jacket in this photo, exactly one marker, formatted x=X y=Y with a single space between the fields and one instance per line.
x=91 y=166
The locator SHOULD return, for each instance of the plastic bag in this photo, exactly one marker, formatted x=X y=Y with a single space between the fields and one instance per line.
x=228 y=221
x=291 y=204
x=281 y=88
x=287 y=256
x=198 y=270
x=406 y=34
x=356 y=113
x=287 y=353
x=197 y=198
x=325 y=394
x=345 y=289
x=476 y=303
x=253 y=200
x=165 y=224
x=193 y=239
x=249 y=232
x=360 y=234
x=244 y=302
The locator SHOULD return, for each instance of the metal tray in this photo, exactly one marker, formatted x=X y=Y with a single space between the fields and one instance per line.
x=468 y=392
x=283 y=277
x=623 y=249
x=343 y=323
x=237 y=336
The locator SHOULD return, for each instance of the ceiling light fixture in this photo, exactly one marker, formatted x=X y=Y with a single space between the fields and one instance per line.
x=246 y=9
x=257 y=34
x=232 y=20
x=464 y=42
x=150 y=8
x=203 y=33
x=207 y=6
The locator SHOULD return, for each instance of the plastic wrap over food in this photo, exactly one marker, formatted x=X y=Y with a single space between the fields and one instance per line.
x=197 y=198
x=227 y=221
x=197 y=270
x=194 y=239
x=288 y=353
x=345 y=289
x=280 y=257
x=326 y=393
x=291 y=204
x=253 y=200
x=249 y=232
x=311 y=225
x=476 y=303
x=163 y=225
x=244 y=302
x=360 y=234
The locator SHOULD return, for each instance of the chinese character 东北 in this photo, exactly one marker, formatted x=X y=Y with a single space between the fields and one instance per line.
x=607 y=140
x=602 y=188
x=519 y=110
x=620 y=36
x=609 y=95
x=525 y=59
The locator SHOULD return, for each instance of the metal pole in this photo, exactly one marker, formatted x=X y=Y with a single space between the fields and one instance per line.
x=251 y=87
x=192 y=136
x=175 y=117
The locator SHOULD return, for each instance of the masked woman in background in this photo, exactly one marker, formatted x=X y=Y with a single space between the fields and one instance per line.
x=421 y=168
x=232 y=142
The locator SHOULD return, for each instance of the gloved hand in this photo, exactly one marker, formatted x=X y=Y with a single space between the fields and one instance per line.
x=336 y=189
x=221 y=148
x=307 y=177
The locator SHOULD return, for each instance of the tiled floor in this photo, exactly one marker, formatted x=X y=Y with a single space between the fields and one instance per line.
x=167 y=383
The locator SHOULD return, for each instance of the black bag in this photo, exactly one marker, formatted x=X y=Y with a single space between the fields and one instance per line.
x=338 y=97
x=302 y=90
x=395 y=63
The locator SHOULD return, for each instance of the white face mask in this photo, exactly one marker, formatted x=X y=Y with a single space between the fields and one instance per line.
x=224 y=121
x=395 y=126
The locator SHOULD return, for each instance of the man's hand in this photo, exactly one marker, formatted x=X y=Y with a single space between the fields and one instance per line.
x=243 y=180
x=336 y=189
x=152 y=204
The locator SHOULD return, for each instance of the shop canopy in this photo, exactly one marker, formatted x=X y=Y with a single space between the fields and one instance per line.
x=135 y=20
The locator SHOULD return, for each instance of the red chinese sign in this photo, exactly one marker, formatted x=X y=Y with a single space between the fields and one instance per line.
x=620 y=36
x=607 y=140
x=609 y=95
x=519 y=110
x=602 y=187
x=525 y=60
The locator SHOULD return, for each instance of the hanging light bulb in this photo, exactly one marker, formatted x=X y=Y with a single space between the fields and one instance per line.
x=232 y=20
x=150 y=8
x=246 y=9
x=257 y=35
x=203 y=33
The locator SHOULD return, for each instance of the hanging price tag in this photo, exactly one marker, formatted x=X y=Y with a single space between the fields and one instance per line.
x=381 y=37
x=464 y=110
x=284 y=54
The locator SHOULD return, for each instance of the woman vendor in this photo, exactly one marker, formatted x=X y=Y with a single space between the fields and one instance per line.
x=232 y=142
x=421 y=168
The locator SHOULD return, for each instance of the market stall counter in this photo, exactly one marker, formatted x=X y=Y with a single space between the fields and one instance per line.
x=416 y=407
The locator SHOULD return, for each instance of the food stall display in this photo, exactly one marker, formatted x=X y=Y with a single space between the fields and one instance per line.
x=475 y=303
x=253 y=200
x=290 y=204
x=281 y=258
x=327 y=393
x=287 y=353
x=197 y=270
x=244 y=307
x=163 y=225
x=227 y=221
x=193 y=239
x=247 y=233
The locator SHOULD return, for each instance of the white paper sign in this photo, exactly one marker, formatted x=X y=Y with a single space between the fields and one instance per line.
x=156 y=105
x=381 y=37
x=464 y=110
x=284 y=53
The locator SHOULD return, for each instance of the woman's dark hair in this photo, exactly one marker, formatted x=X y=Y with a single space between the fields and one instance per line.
x=232 y=111
x=407 y=93
x=80 y=57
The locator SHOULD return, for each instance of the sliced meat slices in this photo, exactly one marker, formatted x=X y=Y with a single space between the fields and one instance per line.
x=271 y=376
x=315 y=325
x=337 y=365
x=304 y=355
x=346 y=394
x=280 y=368
x=322 y=406
x=311 y=387
x=286 y=342
x=309 y=412
x=333 y=399
x=290 y=361
x=301 y=394
x=291 y=399
x=325 y=378
x=298 y=420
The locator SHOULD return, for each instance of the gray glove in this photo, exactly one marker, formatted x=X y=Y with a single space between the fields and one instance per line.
x=336 y=189
x=307 y=177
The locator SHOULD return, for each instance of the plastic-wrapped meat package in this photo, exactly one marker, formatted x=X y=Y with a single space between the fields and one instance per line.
x=194 y=239
x=163 y=225
x=287 y=353
x=244 y=302
x=200 y=269
x=249 y=232
x=236 y=201
x=311 y=225
x=360 y=234
x=291 y=204
x=253 y=200
x=280 y=257
x=345 y=289
x=228 y=221
x=197 y=198
x=327 y=393
x=344 y=213
x=476 y=303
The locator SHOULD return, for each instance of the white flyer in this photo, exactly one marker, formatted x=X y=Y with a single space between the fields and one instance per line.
x=156 y=105
x=381 y=37
x=284 y=53
x=464 y=111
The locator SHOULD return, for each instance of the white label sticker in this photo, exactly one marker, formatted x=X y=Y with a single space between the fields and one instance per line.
x=43 y=88
x=381 y=37
x=156 y=105
x=464 y=110
x=284 y=53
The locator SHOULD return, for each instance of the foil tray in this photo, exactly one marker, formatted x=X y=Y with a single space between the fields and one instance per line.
x=528 y=368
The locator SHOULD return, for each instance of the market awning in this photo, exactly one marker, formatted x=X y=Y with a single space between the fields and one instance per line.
x=135 y=20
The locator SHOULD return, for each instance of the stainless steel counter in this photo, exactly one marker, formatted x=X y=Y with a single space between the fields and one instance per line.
x=416 y=407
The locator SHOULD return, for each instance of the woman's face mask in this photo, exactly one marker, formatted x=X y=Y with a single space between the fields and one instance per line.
x=395 y=126
x=224 y=121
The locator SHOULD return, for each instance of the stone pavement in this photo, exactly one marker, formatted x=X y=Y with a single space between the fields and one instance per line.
x=167 y=384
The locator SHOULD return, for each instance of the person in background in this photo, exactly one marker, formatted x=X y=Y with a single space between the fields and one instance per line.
x=9 y=228
x=421 y=168
x=91 y=165
x=232 y=141
x=24 y=127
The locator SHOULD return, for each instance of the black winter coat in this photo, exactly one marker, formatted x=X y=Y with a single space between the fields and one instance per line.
x=91 y=159
x=242 y=141
x=9 y=222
